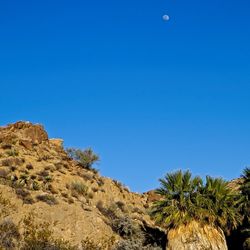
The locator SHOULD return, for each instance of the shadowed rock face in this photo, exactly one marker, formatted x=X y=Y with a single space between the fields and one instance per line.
x=196 y=237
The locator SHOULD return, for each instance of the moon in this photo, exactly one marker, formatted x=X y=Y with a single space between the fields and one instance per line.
x=165 y=18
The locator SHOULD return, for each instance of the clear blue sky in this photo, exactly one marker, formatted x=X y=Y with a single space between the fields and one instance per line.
x=149 y=96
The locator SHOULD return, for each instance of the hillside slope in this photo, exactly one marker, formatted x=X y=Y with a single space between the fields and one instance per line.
x=38 y=177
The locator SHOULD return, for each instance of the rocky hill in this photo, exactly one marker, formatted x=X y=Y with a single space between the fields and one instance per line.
x=42 y=182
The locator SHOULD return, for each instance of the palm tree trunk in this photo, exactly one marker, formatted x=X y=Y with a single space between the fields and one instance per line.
x=194 y=236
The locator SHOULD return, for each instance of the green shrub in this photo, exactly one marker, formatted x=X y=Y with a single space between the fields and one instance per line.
x=86 y=157
x=12 y=152
x=79 y=187
x=34 y=185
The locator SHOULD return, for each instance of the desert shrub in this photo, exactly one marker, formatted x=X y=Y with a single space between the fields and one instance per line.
x=135 y=236
x=39 y=236
x=121 y=186
x=34 y=185
x=100 y=182
x=65 y=195
x=48 y=178
x=13 y=161
x=43 y=173
x=24 y=195
x=9 y=234
x=8 y=230
x=86 y=157
x=50 y=168
x=29 y=166
x=13 y=168
x=12 y=152
x=49 y=199
x=5 y=206
x=33 y=177
x=133 y=244
x=86 y=176
x=128 y=245
x=88 y=244
x=137 y=210
x=121 y=205
x=24 y=180
x=125 y=227
x=6 y=146
x=79 y=188
x=111 y=212
x=4 y=173
x=23 y=170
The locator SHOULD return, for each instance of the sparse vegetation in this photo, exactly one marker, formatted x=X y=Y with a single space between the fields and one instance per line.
x=9 y=235
x=5 y=206
x=38 y=236
x=24 y=195
x=47 y=198
x=89 y=244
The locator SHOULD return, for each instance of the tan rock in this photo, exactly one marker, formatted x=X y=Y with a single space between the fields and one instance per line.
x=57 y=142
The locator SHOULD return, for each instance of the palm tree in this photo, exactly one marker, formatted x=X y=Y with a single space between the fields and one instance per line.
x=189 y=209
x=221 y=203
x=245 y=186
x=245 y=205
x=179 y=192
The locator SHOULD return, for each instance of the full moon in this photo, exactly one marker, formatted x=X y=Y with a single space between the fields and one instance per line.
x=165 y=17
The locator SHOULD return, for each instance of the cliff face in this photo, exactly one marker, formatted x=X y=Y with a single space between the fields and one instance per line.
x=36 y=175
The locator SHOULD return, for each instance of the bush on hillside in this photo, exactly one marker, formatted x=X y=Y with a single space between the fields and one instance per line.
x=86 y=157
x=39 y=236
x=9 y=234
